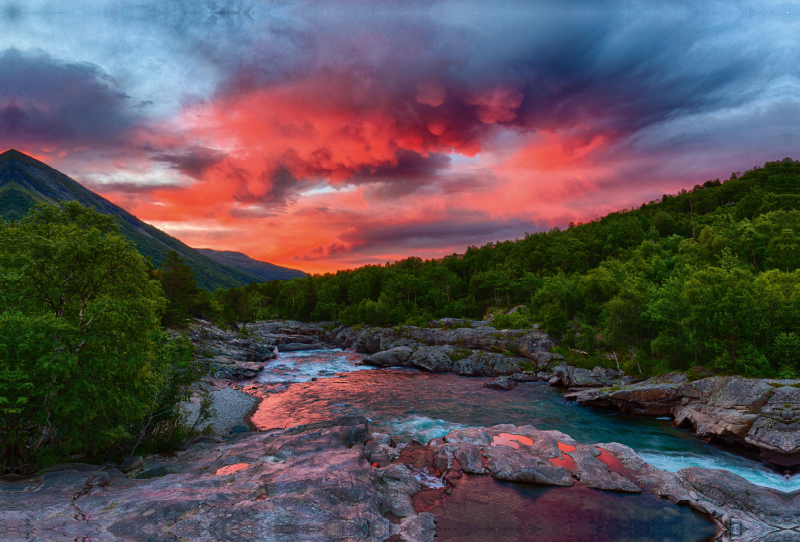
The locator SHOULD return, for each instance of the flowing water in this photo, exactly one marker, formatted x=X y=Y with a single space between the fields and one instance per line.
x=304 y=387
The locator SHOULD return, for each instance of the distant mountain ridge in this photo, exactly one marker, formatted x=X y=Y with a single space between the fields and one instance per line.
x=267 y=271
x=25 y=181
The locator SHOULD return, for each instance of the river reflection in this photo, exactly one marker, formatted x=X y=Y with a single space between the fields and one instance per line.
x=412 y=404
x=482 y=509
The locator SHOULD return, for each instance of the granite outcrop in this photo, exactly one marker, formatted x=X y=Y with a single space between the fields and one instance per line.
x=752 y=413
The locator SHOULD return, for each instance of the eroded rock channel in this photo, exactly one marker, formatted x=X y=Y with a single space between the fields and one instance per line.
x=397 y=445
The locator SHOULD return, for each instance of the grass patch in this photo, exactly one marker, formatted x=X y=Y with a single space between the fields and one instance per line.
x=459 y=354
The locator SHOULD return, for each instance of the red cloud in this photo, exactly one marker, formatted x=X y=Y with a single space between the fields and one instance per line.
x=298 y=167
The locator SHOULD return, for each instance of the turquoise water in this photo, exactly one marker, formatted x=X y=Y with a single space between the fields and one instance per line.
x=412 y=404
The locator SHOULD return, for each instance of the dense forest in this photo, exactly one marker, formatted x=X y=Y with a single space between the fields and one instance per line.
x=708 y=277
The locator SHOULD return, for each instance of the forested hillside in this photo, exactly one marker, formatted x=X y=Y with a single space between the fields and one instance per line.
x=707 y=277
x=25 y=181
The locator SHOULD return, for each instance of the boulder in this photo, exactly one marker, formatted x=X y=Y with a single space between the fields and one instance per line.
x=212 y=342
x=449 y=323
x=570 y=376
x=231 y=369
x=535 y=345
x=777 y=431
x=527 y=376
x=131 y=463
x=396 y=357
x=434 y=358
x=480 y=363
x=298 y=347
x=502 y=383
x=483 y=338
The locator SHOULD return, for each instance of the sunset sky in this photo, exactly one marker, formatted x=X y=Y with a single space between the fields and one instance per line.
x=323 y=136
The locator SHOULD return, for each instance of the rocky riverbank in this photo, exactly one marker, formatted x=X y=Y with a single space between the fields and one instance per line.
x=761 y=415
x=336 y=481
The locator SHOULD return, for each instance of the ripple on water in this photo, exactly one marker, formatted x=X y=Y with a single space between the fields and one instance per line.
x=290 y=367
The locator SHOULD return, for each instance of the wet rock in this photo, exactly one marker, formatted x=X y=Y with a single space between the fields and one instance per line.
x=777 y=431
x=297 y=347
x=311 y=485
x=503 y=383
x=596 y=475
x=231 y=369
x=506 y=463
x=396 y=357
x=654 y=397
x=527 y=376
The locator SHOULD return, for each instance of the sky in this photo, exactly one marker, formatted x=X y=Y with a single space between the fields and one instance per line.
x=324 y=136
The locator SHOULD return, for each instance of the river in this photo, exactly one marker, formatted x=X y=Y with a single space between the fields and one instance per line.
x=304 y=387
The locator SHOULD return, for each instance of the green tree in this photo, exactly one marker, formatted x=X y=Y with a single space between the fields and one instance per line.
x=78 y=368
x=784 y=251
x=664 y=223
x=180 y=289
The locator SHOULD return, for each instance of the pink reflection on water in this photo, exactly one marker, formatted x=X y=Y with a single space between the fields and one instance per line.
x=615 y=465
x=230 y=469
x=565 y=460
x=565 y=447
x=507 y=439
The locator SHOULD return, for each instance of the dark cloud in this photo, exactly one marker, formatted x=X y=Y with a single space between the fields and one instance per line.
x=441 y=233
x=277 y=188
x=47 y=102
x=193 y=162
x=374 y=238
x=411 y=172
x=448 y=82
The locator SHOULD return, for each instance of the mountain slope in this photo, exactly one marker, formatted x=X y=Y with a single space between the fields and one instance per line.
x=243 y=262
x=25 y=181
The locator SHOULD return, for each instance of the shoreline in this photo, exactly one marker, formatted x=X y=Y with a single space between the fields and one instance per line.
x=745 y=414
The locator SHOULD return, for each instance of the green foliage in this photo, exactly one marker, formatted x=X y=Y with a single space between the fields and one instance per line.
x=516 y=320
x=708 y=277
x=80 y=365
x=184 y=299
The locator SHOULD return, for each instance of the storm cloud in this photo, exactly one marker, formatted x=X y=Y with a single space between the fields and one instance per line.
x=48 y=102
x=352 y=132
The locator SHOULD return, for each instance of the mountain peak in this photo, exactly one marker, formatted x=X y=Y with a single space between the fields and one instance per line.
x=14 y=154
x=25 y=181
